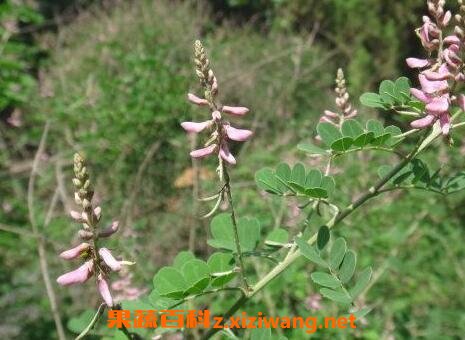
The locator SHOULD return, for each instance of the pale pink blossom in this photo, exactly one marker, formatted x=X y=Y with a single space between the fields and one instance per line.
x=235 y=110
x=226 y=155
x=196 y=100
x=193 y=127
x=80 y=275
x=204 y=152
x=104 y=290
x=423 y=122
x=417 y=63
x=109 y=259
x=75 y=252
x=240 y=135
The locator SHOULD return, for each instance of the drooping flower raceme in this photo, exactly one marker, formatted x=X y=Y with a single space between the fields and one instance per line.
x=221 y=131
x=439 y=76
x=98 y=262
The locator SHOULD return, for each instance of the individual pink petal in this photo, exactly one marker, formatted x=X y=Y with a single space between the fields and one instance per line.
x=452 y=39
x=200 y=153
x=420 y=95
x=193 y=127
x=423 y=122
x=461 y=101
x=226 y=155
x=417 y=63
x=196 y=100
x=75 y=252
x=109 y=260
x=451 y=59
x=110 y=230
x=446 y=18
x=430 y=86
x=331 y=114
x=80 y=275
x=75 y=215
x=104 y=290
x=438 y=105
x=444 y=121
x=235 y=110
x=442 y=73
x=239 y=135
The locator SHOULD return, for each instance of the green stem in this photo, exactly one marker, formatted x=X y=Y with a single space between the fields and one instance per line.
x=239 y=259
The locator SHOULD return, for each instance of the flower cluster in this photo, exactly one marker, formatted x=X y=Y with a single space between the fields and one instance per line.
x=440 y=75
x=98 y=262
x=222 y=131
x=346 y=110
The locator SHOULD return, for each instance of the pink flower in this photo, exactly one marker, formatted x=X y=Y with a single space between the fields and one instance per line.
x=239 y=135
x=80 y=275
x=104 y=290
x=75 y=252
x=200 y=153
x=196 y=100
x=452 y=39
x=226 y=155
x=109 y=260
x=76 y=216
x=423 y=122
x=110 y=230
x=438 y=105
x=196 y=127
x=431 y=86
x=444 y=122
x=235 y=110
x=417 y=63
x=441 y=74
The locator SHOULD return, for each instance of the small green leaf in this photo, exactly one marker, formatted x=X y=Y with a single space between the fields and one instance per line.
x=197 y=276
x=283 y=171
x=351 y=128
x=387 y=91
x=298 y=174
x=181 y=258
x=265 y=179
x=310 y=252
x=328 y=184
x=337 y=253
x=169 y=282
x=311 y=149
x=335 y=296
x=325 y=280
x=347 y=269
x=376 y=127
x=456 y=183
x=313 y=179
x=328 y=133
x=322 y=237
x=362 y=282
x=402 y=89
x=221 y=268
x=277 y=238
x=364 y=139
x=372 y=100
x=342 y=144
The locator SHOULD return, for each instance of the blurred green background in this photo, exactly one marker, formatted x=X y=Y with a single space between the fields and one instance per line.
x=111 y=77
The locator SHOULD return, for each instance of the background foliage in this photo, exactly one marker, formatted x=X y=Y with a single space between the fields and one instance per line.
x=112 y=79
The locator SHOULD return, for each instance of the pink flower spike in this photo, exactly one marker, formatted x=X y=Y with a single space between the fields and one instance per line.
x=226 y=155
x=200 y=153
x=420 y=95
x=110 y=230
x=452 y=39
x=75 y=252
x=109 y=260
x=461 y=101
x=239 y=135
x=423 y=122
x=196 y=100
x=444 y=121
x=235 y=110
x=193 y=127
x=438 y=105
x=80 y=275
x=417 y=63
x=104 y=290
x=430 y=86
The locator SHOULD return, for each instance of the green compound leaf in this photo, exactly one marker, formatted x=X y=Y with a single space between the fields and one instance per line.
x=351 y=128
x=322 y=237
x=373 y=100
x=182 y=258
x=310 y=252
x=337 y=253
x=347 y=269
x=266 y=180
x=342 y=144
x=169 y=282
x=325 y=280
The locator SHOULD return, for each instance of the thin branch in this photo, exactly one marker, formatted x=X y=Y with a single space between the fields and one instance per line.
x=92 y=323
